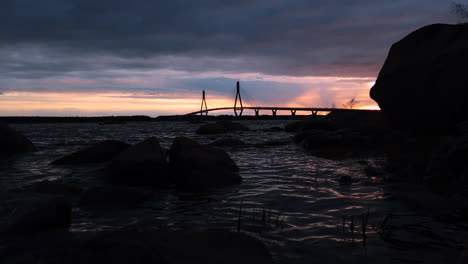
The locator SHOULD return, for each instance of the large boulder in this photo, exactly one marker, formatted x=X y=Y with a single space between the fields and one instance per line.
x=100 y=152
x=12 y=142
x=198 y=166
x=422 y=85
x=141 y=164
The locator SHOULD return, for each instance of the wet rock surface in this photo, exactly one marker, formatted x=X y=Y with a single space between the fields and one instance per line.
x=425 y=67
x=141 y=164
x=12 y=142
x=100 y=152
x=199 y=166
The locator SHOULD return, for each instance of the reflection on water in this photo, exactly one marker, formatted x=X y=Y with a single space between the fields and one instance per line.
x=288 y=197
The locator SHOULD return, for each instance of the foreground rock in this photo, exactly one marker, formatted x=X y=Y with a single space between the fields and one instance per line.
x=152 y=246
x=39 y=215
x=220 y=127
x=141 y=164
x=199 y=166
x=100 y=152
x=12 y=142
x=422 y=85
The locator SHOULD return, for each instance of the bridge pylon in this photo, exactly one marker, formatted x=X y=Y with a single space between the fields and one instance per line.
x=238 y=97
x=203 y=103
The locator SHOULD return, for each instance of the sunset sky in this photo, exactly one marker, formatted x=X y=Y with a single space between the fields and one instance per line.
x=120 y=57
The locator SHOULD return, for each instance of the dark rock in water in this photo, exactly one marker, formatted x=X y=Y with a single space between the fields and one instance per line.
x=319 y=123
x=229 y=142
x=112 y=197
x=54 y=187
x=370 y=122
x=422 y=85
x=153 y=246
x=220 y=127
x=373 y=171
x=141 y=164
x=12 y=142
x=345 y=180
x=100 y=152
x=232 y=126
x=41 y=215
x=335 y=145
x=274 y=129
x=299 y=137
x=199 y=166
x=207 y=129
x=274 y=143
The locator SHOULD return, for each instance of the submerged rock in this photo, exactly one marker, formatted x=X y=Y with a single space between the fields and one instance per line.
x=111 y=197
x=221 y=127
x=100 y=152
x=319 y=123
x=198 y=166
x=12 y=142
x=210 y=129
x=230 y=126
x=422 y=84
x=141 y=164
x=229 y=142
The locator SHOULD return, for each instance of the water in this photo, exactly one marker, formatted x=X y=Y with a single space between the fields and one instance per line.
x=290 y=200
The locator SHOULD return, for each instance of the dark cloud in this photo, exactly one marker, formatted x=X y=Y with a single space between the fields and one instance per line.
x=277 y=37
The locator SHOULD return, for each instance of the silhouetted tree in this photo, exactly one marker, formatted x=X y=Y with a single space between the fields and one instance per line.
x=351 y=103
x=460 y=10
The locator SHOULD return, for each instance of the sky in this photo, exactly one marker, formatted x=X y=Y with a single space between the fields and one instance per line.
x=148 y=57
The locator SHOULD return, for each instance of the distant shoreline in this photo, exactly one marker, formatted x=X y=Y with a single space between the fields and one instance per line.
x=109 y=120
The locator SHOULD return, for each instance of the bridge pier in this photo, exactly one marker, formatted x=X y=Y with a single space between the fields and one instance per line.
x=257 y=112
x=314 y=113
x=273 y=111
x=293 y=112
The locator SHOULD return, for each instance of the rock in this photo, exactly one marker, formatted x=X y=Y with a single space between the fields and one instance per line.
x=299 y=137
x=229 y=142
x=54 y=187
x=220 y=127
x=200 y=166
x=141 y=164
x=210 y=128
x=100 y=152
x=153 y=246
x=40 y=215
x=274 y=143
x=315 y=123
x=422 y=84
x=274 y=129
x=12 y=142
x=337 y=145
x=112 y=197
x=373 y=171
x=230 y=126
x=345 y=180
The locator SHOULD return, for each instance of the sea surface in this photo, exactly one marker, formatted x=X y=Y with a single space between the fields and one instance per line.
x=289 y=199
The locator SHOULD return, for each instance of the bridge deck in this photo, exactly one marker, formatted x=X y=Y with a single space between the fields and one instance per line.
x=274 y=108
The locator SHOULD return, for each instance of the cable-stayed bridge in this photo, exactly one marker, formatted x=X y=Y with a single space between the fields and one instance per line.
x=238 y=107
